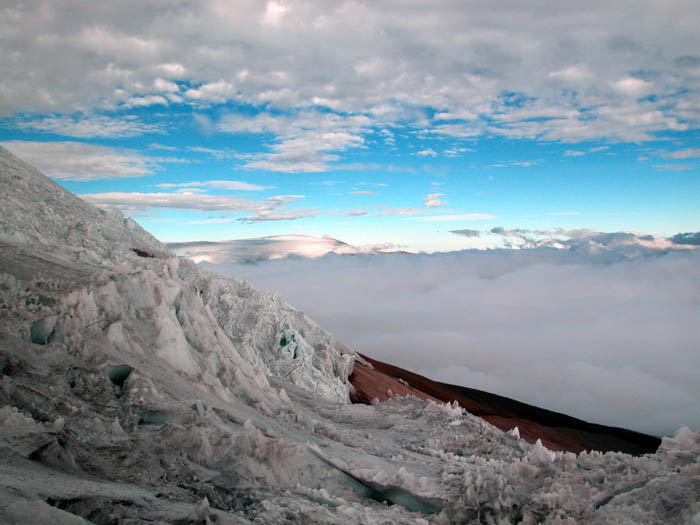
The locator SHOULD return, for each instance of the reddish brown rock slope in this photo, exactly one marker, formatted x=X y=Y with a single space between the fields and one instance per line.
x=557 y=431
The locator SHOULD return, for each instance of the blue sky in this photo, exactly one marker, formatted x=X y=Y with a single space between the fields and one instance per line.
x=395 y=123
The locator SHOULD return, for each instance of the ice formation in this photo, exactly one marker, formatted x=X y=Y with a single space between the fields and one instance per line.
x=138 y=387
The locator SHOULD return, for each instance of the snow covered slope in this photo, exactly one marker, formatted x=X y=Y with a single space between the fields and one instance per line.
x=137 y=387
x=37 y=211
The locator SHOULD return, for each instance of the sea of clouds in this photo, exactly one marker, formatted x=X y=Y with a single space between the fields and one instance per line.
x=607 y=335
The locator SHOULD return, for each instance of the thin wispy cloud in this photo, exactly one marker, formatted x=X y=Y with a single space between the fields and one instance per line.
x=90 y=126
x=688 y=153
x=675 y=167
x=255 y=211
x=455 y=217
x=235 y=185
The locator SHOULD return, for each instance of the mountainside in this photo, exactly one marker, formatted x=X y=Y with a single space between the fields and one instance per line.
x=138 y=387
x=557 y=431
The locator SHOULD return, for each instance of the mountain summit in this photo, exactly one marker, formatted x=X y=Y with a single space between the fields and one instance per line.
x=138 y=387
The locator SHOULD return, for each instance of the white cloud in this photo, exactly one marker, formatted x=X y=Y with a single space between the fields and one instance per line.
x=274 y=12
x=632 y=86
x=457 y=150
x=156 y=145
x=81 y=162
x=353 y=213
x=191 y=197
x=433 y=200
x=307 y=141
x=235 y=185
x=428 y=152
x=455 y=217
x=270 y=248
x=675 y=167
x=218 y=154
x=220 y=91
x=688 y=153
x=600 y=336
x=572 y=74
x=89 y=126
x=508 y=72
x=461 y=115
x=179 y=201
x=273 y=215
x=170 y=70
x=148 y=100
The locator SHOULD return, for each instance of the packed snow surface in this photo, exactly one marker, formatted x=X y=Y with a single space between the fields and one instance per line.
x=138 y=387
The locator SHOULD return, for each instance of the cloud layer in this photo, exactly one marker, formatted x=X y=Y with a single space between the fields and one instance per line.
x=564 y=71
x=607 y=337
x=249 y=251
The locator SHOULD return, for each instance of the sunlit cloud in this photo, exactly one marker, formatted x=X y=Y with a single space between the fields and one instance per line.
x=433 y=200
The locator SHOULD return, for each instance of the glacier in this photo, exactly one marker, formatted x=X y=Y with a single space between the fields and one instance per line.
x=137 y=386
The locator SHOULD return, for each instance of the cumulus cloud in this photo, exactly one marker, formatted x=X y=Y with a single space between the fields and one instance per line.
x=428 y=152
x=220 y=91
x=598 y=335
x=572 y=74
x=467 y=62
x=307 y=141
x=82 y=162
x=633 y=86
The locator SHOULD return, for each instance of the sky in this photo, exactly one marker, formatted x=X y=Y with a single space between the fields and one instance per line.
x=385 y=125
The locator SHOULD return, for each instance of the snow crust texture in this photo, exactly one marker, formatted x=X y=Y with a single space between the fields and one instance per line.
x=138 y=387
